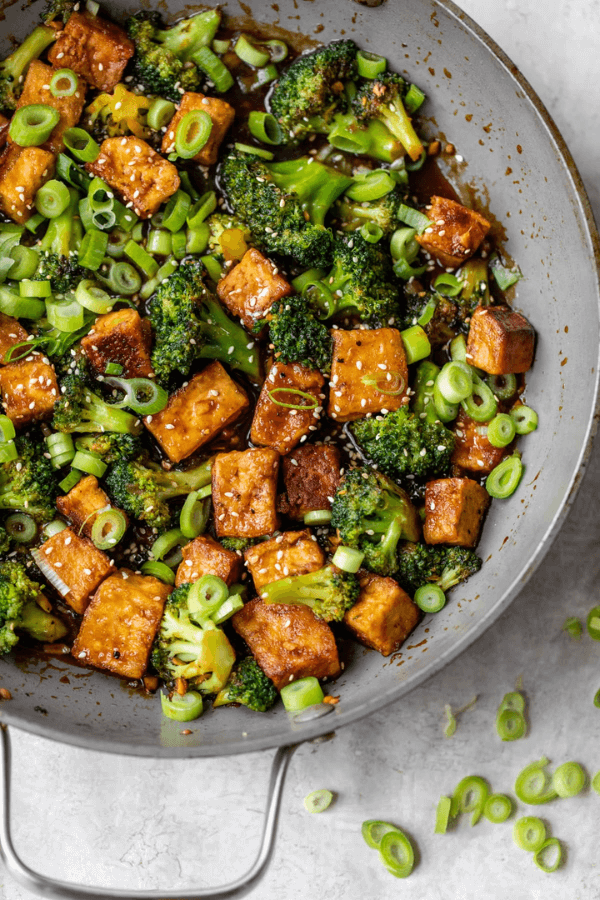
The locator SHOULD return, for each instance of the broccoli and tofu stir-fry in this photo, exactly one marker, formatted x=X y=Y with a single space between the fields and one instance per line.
x=258 y=387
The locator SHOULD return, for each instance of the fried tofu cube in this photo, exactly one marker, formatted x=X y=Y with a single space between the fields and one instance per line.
x=36 y=89
x=244 y=493
x=122 y=337
x=120 y=624
x=197 y=412
x=221 y=115
x=454 y=511
x=94 y=48
x=277 y=426
x=291 y=553
x=83 y=503
x=250 y=289
x=383 y=616
x=11 y=334
x=501 y=341
x=78 y=564
x=205 y=556
x=472 y=450
x=311 y=475
x=29 y=390
x=288 y=642
x=23 y=170
x=455 y=234
x=369 y=373
x=139 y=174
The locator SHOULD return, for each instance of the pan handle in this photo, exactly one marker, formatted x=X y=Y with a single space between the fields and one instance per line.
x=48 y=887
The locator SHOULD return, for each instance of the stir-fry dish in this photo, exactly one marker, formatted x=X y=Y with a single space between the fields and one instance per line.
x=259 y=383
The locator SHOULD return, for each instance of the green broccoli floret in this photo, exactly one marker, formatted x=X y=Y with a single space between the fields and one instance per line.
x=329 y=592
x=27 y=483
x=372 y=514
x=189 y=324
x=403 y=444
x=143 y=488
x=438 y=315
x=297 y=336
x=78 y=409
x=382 y=212
x=14 y=68
x=4 y=541
x=382 y=98
x=284 y=203
x=58 y=9
x=360 y=283
x=217 y=224
x=420 y=564
x=235 y=544
x=58 y=249
x=249 y=686
x=19 y=611
x=110 y=446
x=163 y=60
x=189 y=645
x=308 y=94
x=475 y=292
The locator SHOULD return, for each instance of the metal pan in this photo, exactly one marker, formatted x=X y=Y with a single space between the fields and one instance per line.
x=517 y=167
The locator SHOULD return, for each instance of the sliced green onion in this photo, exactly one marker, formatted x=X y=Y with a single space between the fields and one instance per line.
x=100 y=196
x=484 y=411
x=25 y=262
x=513 y=700
x=29 y=288
x=33 y=222
x=108 y=528
x=216 y=70
x=20 y=307
x=104 y=219
x=525 y=419
x=92 y=249
x=126 y=218
x=201 y=209
x=446 y=412
x=533 y=784
x=52 y=199
x=549 y=846
x=596 y=782
x=65 y=315
x=8 y=452
x=21 y=528
x=31 y=125
x=7 y=429
x=568 y=780
x=502 y=386
x=176 y=211
x=413 y=99
x=370 y=65
x=397 y=853
x=448 y=284
x=504 y=277
x=206 y=596
x=257 y=151
x=86 y=215
x=91 y=463
x=317 y=517
x=142 y=395
x=301 y=693
x=451 y=722
x=593 y=623
x=228 y=609
x=265 y=127
x=196 y=239
x=418 y=163
x=498 y=808
x=529 y=833
x=188 y=186
x=458 y=348
x=266 y=74
x=70 y=481
x=416 y=344
x=504 y=479
x=123 y=279
x=184 y=708
x=404 y=246
x=141 y=259
x=430 y=598
x=165 y=270
x=81 y=144
x=455 y=381
x=193 y=518
x=179 y=244
x=159 y=242
x=54 y=527
x=278 y=50
x=573 y=626
x=470 y=796
x=414 y=218
x=64 y=83
x=249 y=53
x=510 y=724
x=347 y=559
x=158 y=570
x=442 y=815
x=61 y=449
x=501 y=430
x=92 y=297
x=72 y=173
x=373 y=830
x=160 y=113
x=166 y=543
x=371 y=232
x=220 y=47
x=311 y=404
x=597 y=699
x=371 y=186
x=318 y=801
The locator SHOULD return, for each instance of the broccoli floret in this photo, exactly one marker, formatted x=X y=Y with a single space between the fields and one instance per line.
x=382 y=212
x=78 y=409
x=27 y=483
x=249 y=686
x=382 y=98
x=235 y=544
x=297 y=336
x=219 y=223
x=360 y=283
x=328 y=592
x=163 y=60
x=58 y=9
x=4 y=541
x=58 y=249
x=307 y=96
x=437 y=314
x=401 y=443
x=14 y=67
x=143 y=488
x=475 y=292
x=189 y=324
x=19 y=611
x=285 y=203
x=420 y=564
x=372 y=514
x=189 y=645
x=110 y=446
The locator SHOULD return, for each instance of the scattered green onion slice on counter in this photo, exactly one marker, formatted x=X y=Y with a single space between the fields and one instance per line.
x=451 y=722
x=430 y=598
x=498 y=808
x=301 y=693
x=455 y=381
x=318 y=801
x=513 y=700
x=348 y=559
x=501 y=430
x=81 y=144
x=228 y=609
x=533 y=784
x=7 y=429
x=160 y=113
x=573 y=627
x=593 y=623
x=250 y=53
x=549 y=847
x=510 y=724
x=264 y=127
x=317 y=517
x=504 y=479
x=370 y=65
x=216 y=70
x=442 y=815
x=568 y=779
x=182 y=708
x=397 y=853
x=597 y=699
x=596 y=782
x=52 y=198
x=193 y=518
x=158 y=570
x=502 y=386
x=373 y=830
x=529 y=833
x=108 y=528
x=21 y=528
x=525 y=419
x=31 y=125
x=8 y=452
x=470 y=795
x=85 y=461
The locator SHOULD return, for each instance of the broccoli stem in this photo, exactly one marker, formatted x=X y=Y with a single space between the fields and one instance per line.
x=14 y=67
x=400 y=125
x=189 y=35
x=40 y=625
x=100 y=416
x=176 y=483
x=227 y=341
x=317 y=186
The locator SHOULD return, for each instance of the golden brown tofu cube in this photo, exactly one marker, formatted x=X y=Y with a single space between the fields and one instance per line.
x=11 y=334
x=291 y=553
x=120 y=624
x=500 y=341
x=472 y=450
x=455 y=234
x=369 y=373
x=23 y=170
x=244 y=493
x=94 y=48
x=205 y=556
x=250 y=289
x=141 y=177
x=83 y=503
x=221 y=114
x=311 y=475
x=277 y=426
x=79 y=565
x=288 y=642
x=198 y=412
x=29 y=390
x=383 y=616
x=122 y=337
x=454 y=511
x=36 y=89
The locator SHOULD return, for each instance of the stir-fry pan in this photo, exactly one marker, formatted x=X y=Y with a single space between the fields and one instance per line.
x=512 y=164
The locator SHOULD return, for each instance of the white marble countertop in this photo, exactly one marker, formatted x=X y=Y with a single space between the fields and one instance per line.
x=136 y=823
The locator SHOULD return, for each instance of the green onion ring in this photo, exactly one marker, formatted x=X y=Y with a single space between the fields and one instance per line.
x=21 y=528
x=448 y=284
x=498 y=808
x=31 y=125
x=593 y=623
x=568 y=780
x=249 y=53
x=7 y=429
x=108 y=529
x=54 y=527
x=92 y=249
x=414 y=218
x=216 y=70
x=93 y=298
x=300 y=694
x=264 y=127
x=373 y=830
x=123 y=278
x=502 y=386
x=141 y=259
x=446 y=412
x=8 y=452
x=371 y=232
x=228 y=609
x=25 y=262
x=318 y=801
x=348 y=559
x=501 y=430
x=533 y=784
x=184 y=708
x=81 y=144
x=413 y=99
x=142 y=395
x=430 y=598
x=596 y=782
x=206 y=596
x=278 y=50
x=158 y=570
x=193 y=518
x=158 y=242
x=305 y=396
x=397 y=853
x=52 y=199
x=257 y=151
x=455 y=381
x=513 y=700
x=484 y=411
x=160 y=113
x=85 y=461
x=389 y=378
x=201 y=209
x=370 y=65
x=66 y=315
x=70 y=83
x=371 y=186
x=70 y=481
x=166 y=543
x=470 y=795
x=442 y=815
x=416 y=344
x=19 y=307
x=538 y=856
x=573 y=627
x=176 y=211
x=510 y=724
x=317 y=517
x=525 y=419
x=266 y=74
x=100 y=196
x=179 y=244
x=503 y=480
x=404 y=246
x=529 y=833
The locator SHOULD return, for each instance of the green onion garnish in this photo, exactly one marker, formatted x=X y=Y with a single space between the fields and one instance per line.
x=142 y=395
x=257 y=151
x=504 y=479
x=249 y=53
x=525 y=419
x=176 y=211
x=501 y=430
x=397 y=853
x=390 y=383
x=448 y=284
x=70 y=481
x=54 y=527
x=182 y=708
x=228 y=609
x=487 y=409
x=21 y=528
x=504 y=277
x=61 y=449
x=414 y=218
x=31 y=125
x=318 y=801
x=371 y=232
x=81 y=144
x=166 y=543
x=7 y=429
x=552 y=845
x=160 y=113
x=25 y=262
x=416 y=344
x=65 y=315
x=371 y=186
x=455 y=381
x=193 y=518
x=216 y=70
x=596 y=782
x=141 y=259
x=373 y=830
x=93 y=298
x=264 y=127
x=498 y=808
x=85 y=461
x=64 y=83
x=413 y=99
x=529 y=833
x=193 y=132
x=593 y=623
x=311 y=404
x=568 y=780
x=470 y=795
x=430 y=598
x=370 y=65
x=302 y=693
x=502 y=386
x=206 y=596
x=317 y=517
x=158 y=570
x=29 y=288
x=92 y=249
x=108 y=528
x=8 y=452
x=52 y=199
x=573 y=627
x=159 y=242
x=347 y=559
x=201 y=209
x=510 y=724
x=19 y=307
x=442 y=815
x=533 y=784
